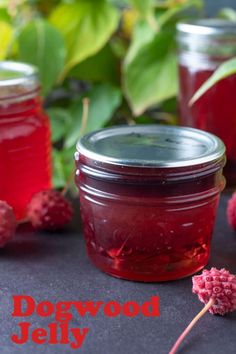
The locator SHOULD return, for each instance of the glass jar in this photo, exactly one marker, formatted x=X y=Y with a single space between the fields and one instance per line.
x=203 y=46
x=148 y=197
x=25 y=144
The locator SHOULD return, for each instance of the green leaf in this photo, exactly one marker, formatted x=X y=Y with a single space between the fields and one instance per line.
x=144 y=7
x=150 y=73
x=142 y=35
x=227 y=13
x=59 y=175
x=6 y=37
x=63 y=162
x=146 y=10
x=176 y=11
x=157 y=54
x=103 y=66
x=224 y=70
x=104 y=100
x=42 y=45
x=60 y=120
x=4 y=16
x=86 y=26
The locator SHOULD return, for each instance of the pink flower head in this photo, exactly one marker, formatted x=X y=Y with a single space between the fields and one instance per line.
x=218 y=285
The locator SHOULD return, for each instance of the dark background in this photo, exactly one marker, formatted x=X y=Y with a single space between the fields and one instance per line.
x=213 y=6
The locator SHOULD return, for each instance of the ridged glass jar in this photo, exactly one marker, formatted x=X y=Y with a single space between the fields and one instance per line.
x=203 y=46
x=148 y=197
x=25 y=143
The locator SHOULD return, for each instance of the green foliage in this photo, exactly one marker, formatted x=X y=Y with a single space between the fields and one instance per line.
x=101 y=67
x=61 y=120
x=66 y=125
x=35 y=41
x=226 y=69
x=227 y=14
x=173 y=12
x=144 y=7
x=104 y=100
x=63 y=164
x=4 y=16
x=151 y=73
x=6 y=33
x=86 y=27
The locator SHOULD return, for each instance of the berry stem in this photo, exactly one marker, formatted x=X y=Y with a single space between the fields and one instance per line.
x=84 y=115
x=190 y=326
x=82 y=130
x=68 y=182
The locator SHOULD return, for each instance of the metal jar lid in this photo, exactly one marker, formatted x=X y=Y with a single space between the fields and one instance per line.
x=17 y=80
x=151 y=146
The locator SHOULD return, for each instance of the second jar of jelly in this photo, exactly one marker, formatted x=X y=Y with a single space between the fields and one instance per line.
x=203 y=46
x=148 y=197
x=25 y=141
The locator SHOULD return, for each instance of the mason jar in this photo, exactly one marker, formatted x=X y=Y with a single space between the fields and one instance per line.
x=203 y=46
x=25 y=143
x=148 y=198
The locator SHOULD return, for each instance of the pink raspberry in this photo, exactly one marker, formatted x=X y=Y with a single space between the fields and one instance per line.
x=218 y=285
x=49 y=210
x=7 y=223
x=231 y=211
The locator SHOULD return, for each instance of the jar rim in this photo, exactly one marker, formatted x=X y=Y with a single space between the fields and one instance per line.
x=212 y=27
x=15 y=73
x=165 y=146
x=18 y=82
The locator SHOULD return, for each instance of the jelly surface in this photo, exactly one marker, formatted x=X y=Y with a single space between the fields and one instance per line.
x=24 y=153
x=147 y=239
x=214 y=112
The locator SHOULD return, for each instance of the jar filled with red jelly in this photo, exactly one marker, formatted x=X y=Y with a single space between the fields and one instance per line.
x=25 y=144
x=148 y=197
x=203 y=46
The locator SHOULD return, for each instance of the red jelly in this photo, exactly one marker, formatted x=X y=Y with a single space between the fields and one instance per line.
x=204 y=45
x=25 y=148
x=149 y=196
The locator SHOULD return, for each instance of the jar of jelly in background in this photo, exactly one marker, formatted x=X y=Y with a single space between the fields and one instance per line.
x=148 y=197
x=203 y=46
x=25 y=144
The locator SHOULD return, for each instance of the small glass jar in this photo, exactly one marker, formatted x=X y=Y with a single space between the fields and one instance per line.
x=25 y=144
x=148 y=197
x=203 y=46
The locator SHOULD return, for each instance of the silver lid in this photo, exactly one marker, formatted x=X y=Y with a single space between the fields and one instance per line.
x=151 y=146
x=208 y=27
x=17 y=79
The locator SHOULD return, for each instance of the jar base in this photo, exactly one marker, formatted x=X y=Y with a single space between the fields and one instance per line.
x=162 y=273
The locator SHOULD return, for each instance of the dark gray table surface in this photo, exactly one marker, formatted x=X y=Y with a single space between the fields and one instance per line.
x=55 y=267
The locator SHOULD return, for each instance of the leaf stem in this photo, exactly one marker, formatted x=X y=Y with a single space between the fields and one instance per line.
x=190 y=326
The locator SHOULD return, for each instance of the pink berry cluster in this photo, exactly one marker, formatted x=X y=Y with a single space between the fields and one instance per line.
x=216 y=288
x=7 y=223
x=218 y=285
x=47 y=210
